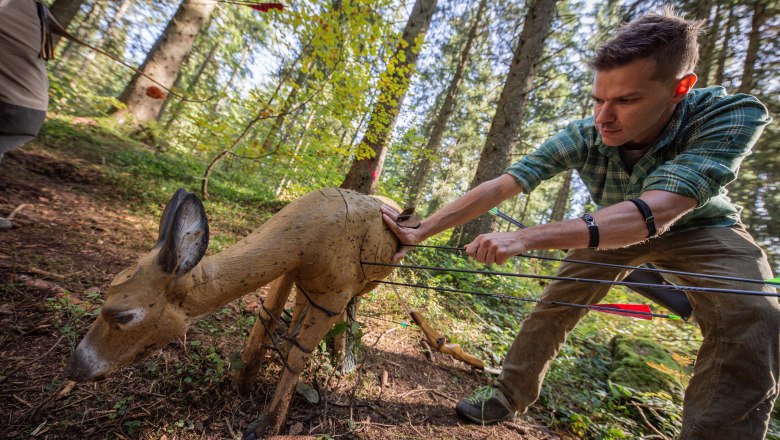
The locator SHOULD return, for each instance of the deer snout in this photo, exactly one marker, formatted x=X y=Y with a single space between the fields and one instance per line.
x=85 y=364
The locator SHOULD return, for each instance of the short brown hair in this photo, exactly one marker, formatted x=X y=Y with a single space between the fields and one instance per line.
x=667 y=38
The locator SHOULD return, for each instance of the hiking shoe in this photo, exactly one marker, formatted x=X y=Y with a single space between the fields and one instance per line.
x=486 y=406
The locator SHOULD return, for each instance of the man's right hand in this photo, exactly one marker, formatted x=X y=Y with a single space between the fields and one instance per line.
x=405 y=235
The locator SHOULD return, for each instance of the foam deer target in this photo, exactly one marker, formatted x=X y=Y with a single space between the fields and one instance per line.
x=316 y=242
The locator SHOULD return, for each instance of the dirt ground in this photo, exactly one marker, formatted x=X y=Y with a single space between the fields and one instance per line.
x=70 y=236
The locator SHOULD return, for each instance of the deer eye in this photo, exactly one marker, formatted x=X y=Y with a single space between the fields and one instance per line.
x=122 y=317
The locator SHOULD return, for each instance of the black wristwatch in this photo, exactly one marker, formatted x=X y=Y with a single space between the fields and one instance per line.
x=593 y=228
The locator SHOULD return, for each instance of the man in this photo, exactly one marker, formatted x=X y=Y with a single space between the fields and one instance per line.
x=657 y=157
x=24 y=84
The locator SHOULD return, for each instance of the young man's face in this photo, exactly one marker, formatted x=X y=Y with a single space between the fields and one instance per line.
x=630 y=108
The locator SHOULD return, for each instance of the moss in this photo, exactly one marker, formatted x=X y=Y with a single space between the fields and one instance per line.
x=644 y=365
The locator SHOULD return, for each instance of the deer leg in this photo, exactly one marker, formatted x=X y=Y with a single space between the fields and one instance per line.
x=255 y=347
x=305 y=334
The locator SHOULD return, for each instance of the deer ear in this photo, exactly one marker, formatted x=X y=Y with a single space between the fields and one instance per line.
x=167 y=216
x=187 y=237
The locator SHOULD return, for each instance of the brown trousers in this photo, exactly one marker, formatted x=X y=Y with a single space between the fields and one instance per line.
x=735 y=380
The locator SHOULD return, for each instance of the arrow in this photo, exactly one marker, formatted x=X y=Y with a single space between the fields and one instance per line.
x=641 y=311
x=500 y=214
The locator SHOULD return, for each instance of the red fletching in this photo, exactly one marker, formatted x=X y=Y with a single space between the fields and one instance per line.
x=630 y=310
x=155 y=92
x=265 y=7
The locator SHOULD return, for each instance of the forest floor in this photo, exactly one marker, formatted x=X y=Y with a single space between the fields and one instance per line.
x=74 y=229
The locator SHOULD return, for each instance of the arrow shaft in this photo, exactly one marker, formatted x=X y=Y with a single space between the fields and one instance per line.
x=619 y=266
x=595 y=307
x=578 y=280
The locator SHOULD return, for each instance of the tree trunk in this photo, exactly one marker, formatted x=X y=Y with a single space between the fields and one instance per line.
x=562 y=199
x=276 y=126
x=559 y=208
x=760 y=17
x=88 y=24
x=725 y=48
x=437 y=131
x=107 y=41
x=190 y=86
x=708 y=49
x=291 y=167
x=107 y=38
x=233 y=74
x=364 y=173
x=64 y=11
x=502 y=137
x=164 y=61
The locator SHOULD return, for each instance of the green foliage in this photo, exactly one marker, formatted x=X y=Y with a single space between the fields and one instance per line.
x=74 y=314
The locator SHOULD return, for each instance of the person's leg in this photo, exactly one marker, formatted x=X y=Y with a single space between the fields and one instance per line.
x=18 y=125
x=735 y=380
x=544 y=331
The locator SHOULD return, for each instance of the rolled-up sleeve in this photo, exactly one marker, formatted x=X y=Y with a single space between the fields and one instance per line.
x=716 y=144
x=557 y=154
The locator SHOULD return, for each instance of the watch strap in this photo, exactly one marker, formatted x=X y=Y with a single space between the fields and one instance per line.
x=593 y=229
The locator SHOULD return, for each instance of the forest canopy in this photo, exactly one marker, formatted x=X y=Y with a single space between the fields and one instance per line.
x=297 y=96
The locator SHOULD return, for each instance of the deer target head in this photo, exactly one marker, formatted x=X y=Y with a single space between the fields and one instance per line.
x=143 y=305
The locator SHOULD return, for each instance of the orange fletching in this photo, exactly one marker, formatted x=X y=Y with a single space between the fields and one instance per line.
x=155 y=92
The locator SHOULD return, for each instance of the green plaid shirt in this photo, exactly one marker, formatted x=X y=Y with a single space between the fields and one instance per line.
x=697 y=155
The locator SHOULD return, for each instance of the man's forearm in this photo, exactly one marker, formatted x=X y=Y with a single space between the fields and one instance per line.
x=471 y=205
x=619 y=225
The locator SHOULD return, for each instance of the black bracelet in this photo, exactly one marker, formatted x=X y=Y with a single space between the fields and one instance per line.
x=593 y=228
x=647 y=214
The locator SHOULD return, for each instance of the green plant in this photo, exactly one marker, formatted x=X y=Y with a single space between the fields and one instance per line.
x=74 y=314
x=121 y=408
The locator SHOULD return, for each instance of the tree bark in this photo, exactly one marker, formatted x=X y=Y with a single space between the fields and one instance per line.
x=431 y=150
x=107 y=41
x=164 y=61
x=559 y=208
x=190 y=86
x=725 y=48
x=502 y=137
x=760 y=17
x=87 y=25
x=64 y=11
x=363 y=175
x=708 y=49
x=276 y=126
x=562 y=199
